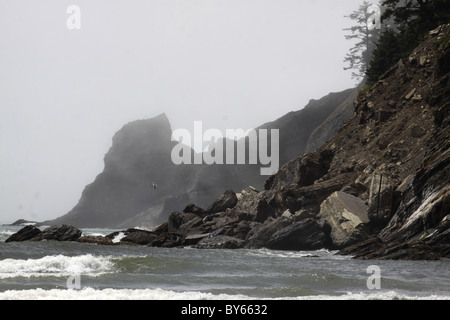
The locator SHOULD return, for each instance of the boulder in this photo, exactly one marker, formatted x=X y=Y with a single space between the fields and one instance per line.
x=193 y=239
x=346 y=216
x=226 y=201
x=259 y=235
x=59 y=233
x=24 y=234
x=306 y=234
x=137 y=236
x=253 y=206
x=192 y=208
x=177 y=219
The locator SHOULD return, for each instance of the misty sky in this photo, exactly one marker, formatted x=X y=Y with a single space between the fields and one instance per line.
x=229 y=63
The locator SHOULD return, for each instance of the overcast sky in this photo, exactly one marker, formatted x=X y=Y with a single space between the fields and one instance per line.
x=229 y=63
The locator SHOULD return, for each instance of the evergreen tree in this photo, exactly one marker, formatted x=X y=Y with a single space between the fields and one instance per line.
x=366 y=32
x=412 y=20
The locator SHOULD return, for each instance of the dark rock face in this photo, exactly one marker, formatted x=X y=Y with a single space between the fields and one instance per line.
x=59 y=233
x=303 y=235
x=378 y=190
x=141 y=237
x=382 y=180
x=24 y=234
x=226 y=201
x=259 y=236
x=381 y=193
x=419 y=226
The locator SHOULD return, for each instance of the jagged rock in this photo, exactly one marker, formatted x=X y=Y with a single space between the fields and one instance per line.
x=24 y=234
x=226 y=201
x=220 y=242
x=253 y=206
x=363 y=248
x=302 y=171
x=306 y=234
x=177 y=219
x=167 y=240
x=193 y=239
x=192 y=208
x=137 y=236
x=258 y=236
x=346 y=215
x=59 y=233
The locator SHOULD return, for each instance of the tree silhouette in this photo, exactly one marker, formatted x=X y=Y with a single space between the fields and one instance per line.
x=366 y=32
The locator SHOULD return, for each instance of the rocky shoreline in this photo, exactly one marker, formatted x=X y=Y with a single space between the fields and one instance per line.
x=379 y=190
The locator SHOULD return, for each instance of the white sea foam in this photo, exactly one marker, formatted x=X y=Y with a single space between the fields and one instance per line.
x=296 y=254
x=57 y=265
x=161 y=294
x=113 y=294
x=119 y=237
x=376 y=295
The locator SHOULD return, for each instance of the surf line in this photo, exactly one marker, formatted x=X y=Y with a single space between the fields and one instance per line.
x=251 y=145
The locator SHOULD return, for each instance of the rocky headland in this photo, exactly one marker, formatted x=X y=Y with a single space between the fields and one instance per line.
x=379 y=189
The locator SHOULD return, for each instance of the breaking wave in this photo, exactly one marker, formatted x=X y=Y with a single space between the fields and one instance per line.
x=56 y=265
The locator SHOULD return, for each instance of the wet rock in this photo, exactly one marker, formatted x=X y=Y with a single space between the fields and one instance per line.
x=59 y=233
x=363 y=248
x=24 y=234
x=177 y=219
x=192 y=208
x=195 y=238
x=303 y=235
x=141 y=237
x=259 y=236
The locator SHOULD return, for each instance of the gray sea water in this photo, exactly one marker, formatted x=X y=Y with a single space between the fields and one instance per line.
x=70 y=270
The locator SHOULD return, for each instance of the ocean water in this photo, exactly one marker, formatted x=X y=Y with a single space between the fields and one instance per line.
x=78 y=271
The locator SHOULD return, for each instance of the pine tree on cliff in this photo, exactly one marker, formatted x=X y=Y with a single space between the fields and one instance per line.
x=366 y=32
x=412 y=20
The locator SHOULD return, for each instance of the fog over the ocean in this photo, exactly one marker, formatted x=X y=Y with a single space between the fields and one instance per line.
x=228 y=63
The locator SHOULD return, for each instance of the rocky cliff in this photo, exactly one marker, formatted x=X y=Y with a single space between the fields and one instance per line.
x=123 y=194
x=379 y=189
